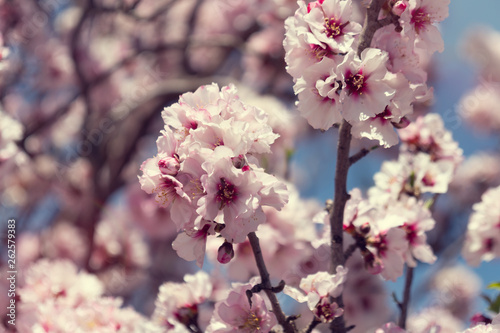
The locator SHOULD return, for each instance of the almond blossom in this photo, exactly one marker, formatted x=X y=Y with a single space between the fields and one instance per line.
x=318 y=289
x=418 y=23
x=318 y=30
x=365 y=90
x=236 y=314
x=482 y=239
x=178 y=304
x=429 y=135
x=57 y=287
x=205 y=173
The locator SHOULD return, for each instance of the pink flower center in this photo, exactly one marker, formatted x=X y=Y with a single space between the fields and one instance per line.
x=411 y=233
x=319 y=53
x=420 y=18
x=165 y=191
x=251 y=324
x=355 y=83
x=226 y=193
x=333 y=28
x=325 y=311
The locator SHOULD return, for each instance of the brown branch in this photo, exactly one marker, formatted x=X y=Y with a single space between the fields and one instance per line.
x=406 y=298
x=288 y=327
x=341 y=196
x=350 y=250
x=337 y=215
x=372 y=24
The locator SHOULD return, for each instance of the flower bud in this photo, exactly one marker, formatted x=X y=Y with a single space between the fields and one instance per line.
x=365 y=228
x=404 y=122
x=225 y=253
x=239 y=161
x=169 y=166
x=399 y=7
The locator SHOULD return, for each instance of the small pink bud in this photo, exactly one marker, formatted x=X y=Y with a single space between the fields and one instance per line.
x=225 y=253
x=315 y=4
x=169 y=166
x=404 y=122
x=399 y=7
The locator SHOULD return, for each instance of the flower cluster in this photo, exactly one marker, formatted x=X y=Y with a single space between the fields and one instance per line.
x=389 y=236
x=57 y=298
x=205 y=172
x=373 y=88
x=236 y=314
x=389 y=227
x=318 y=289
x=482 y=240
x=427 y=162
x=177 y=306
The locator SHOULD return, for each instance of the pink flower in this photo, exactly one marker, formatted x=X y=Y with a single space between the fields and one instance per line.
x=365 y=90
x=177 y=303
x=191 y=244
x=417 y=221
x=428 y=134
x=318 y=289
x=386 y=253
x=331 y=23
x=232 y=195
x=418 y=23
x=318 y=31
x=234 y=314
x=59 y=280
x=205 y=169
x=317 y=94
x=383 y=126
x=482 y=242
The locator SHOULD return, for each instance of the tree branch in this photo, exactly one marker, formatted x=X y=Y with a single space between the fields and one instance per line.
x=337 y=215
x=406 y=298
x=315 y=322
x=372 y=24
x=350 y=250
x=288 y=327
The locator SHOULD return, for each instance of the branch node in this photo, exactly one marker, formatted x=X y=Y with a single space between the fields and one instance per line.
x=279 y=288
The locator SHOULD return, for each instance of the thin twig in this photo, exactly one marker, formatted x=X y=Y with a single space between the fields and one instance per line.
x=350 y=250
x=406 y=298
x=360 y=154
x=288 y=327
x=315 y=322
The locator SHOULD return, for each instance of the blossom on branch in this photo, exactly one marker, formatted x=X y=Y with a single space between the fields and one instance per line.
x=236 y=314
x=205 y=173
x=318 y=289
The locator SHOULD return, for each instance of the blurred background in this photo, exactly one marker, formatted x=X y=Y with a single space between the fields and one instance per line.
x=82 y=86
